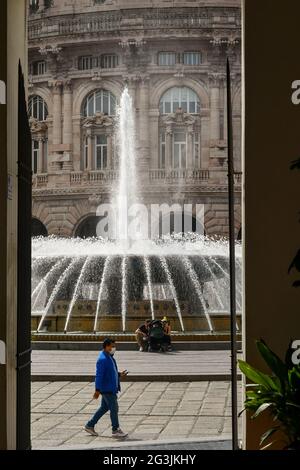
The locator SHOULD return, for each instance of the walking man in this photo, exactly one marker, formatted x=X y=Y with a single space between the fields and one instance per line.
x=107 y=384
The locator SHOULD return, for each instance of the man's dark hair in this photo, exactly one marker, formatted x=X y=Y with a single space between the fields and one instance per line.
x=148 y=321
x=107 y=342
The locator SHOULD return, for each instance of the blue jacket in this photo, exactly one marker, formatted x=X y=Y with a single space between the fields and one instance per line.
x=107 y=376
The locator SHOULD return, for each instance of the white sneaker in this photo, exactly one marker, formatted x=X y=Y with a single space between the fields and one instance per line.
x=91 y=431
x=119 y=433
x=141 y=349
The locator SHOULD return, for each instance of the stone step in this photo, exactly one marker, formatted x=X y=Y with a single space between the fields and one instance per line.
x=130 y=345
x=129 y=337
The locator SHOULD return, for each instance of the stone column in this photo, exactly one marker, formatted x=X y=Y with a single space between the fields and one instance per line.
x=190 y=151
x=154 y=138
x=214 y=109
x=68 y=103
x=57 y=127
x=77 y=150
x=67 y=126
x=40 y=162
x=90 y=150
x=144 y=124
x=204 y=139
x=169 y=135
x=57 y=109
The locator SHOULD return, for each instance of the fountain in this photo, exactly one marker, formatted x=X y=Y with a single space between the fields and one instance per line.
x=112 y=284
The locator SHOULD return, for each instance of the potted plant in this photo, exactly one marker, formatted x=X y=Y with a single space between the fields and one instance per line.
x=277 y=393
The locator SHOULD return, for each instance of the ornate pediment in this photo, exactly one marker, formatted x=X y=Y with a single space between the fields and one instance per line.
x=179 y=117
x=37 y=126
x=99 y=120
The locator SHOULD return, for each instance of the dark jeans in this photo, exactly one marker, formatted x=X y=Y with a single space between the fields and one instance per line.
x=109 y=402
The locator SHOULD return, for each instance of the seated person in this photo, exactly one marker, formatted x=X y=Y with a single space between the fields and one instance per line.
x=142 y=334
x=167 y=331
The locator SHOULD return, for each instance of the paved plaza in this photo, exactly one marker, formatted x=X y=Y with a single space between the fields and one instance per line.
x=177 y=365
x=149 y=411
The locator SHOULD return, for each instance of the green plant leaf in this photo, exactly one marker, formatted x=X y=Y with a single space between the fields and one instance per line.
x=294 y=378
x=288 y=403
x=256 y=376
x=261 y=409
x=268 y=434
x=273 y=361
x=268 y=445
x=288 y=356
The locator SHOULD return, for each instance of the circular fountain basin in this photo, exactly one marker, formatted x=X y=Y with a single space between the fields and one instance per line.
x=95 y=285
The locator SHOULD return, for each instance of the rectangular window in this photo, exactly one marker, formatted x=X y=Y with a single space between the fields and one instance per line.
x=101 y=152
x=38 y=68
x=85 y=62
x=166 y=58
x=179 y=149
x=35 y=155
x=162 y=160
x=109 y=61
x=41 y=68
x=192 y=58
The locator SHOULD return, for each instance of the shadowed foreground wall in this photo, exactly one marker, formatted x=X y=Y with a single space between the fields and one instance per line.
x=13 y=40
x=3 y=173
x=272 y=190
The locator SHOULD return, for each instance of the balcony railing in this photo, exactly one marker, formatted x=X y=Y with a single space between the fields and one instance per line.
x=91 y=177
x=40 y=180
x=76 y=177
x=103 y=175
x=113 y=21
x=156 y=176
x=179 y=174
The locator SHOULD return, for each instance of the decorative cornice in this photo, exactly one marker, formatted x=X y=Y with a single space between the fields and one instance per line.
x=159 y=189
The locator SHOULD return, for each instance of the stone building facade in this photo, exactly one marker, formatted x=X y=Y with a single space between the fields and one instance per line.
x=171 y=54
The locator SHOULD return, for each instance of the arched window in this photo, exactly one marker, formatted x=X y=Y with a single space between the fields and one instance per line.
x=100 y=101
x=37 y=108
x=88 y=227
x=179 y=97
x=38 y=229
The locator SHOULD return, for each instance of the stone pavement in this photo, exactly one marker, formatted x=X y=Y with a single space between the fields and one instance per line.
x=177 y=365
x=148 y=411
